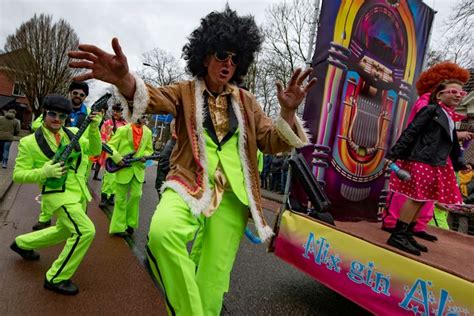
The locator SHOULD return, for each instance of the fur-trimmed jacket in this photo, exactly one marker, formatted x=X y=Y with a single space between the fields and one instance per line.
x=188 y=174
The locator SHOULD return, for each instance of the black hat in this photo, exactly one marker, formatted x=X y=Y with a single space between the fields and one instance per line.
x=79 y=85
x=117 y=107
x=57 y=102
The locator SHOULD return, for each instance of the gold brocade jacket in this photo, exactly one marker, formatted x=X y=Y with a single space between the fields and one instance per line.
x=188 y=174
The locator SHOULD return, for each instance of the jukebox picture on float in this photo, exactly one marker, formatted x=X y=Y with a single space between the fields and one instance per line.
x=367 y=58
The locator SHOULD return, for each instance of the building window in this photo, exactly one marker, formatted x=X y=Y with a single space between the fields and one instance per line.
x=18 y=89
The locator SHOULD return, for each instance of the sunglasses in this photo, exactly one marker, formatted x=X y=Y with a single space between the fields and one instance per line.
x=79 y=94
x=223 y=56
x=455 y=91
x=52 y=114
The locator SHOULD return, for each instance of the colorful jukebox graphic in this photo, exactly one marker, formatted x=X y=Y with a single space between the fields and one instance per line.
x=368 y=55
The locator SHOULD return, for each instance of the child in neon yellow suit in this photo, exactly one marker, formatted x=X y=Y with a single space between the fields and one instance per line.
x=67 y=203
x=133 y=137
x=213 y=183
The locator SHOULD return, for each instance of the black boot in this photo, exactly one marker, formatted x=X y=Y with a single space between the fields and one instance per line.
x=388 y=229
x=424 y=235
x=41 y=225
x=103 y=201
x=413 y=241
x=65 y=287
x=399 y=239
x=29 y=255
x=111 y=200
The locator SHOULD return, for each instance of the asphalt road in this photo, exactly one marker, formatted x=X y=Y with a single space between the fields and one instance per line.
x=261 y=283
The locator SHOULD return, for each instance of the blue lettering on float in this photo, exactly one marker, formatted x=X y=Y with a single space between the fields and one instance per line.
x=309 y=248
x=356 y=274
x=418 y=300
x=320 y=250
x=364 y=274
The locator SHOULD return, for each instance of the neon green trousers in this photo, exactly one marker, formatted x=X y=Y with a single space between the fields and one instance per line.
x=440 y=219
x=108 y=183
x=126 y=207
x=194 y=284
x=46 y=215
x=72 y=226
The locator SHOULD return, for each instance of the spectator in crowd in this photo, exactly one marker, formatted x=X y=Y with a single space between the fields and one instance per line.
x=164 y=163
x=277 y=164
x=265 y=175
x=466 y=185
x=9 y=127
x=284 y=173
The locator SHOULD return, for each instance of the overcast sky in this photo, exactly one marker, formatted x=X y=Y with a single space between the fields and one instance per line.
x=142 y=25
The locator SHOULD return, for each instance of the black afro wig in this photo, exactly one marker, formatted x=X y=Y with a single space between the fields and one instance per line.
x=223 y=31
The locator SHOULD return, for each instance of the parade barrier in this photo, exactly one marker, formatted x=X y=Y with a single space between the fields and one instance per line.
x=352 y=259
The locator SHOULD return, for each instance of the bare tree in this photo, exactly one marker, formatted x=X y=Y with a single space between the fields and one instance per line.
x=287 y=38
x=433 y=57
x=461 y=42
x=161 y=69
x=38 y=57
x=464 y=14
x=457 y=41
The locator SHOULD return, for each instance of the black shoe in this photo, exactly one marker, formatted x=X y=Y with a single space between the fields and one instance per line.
x=129 y=230
x=103 y=201
x=111 y=200
x=29 y=255
x=424 y=235
x=413 y=241
x=121 y=234
x=41 y=225
x=399 y=239
x=65 y=287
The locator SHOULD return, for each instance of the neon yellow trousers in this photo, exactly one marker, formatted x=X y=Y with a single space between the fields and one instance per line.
x=108 y=183
x=194 y=284
x=46 y=215
x=72 y=226
x=126 y=207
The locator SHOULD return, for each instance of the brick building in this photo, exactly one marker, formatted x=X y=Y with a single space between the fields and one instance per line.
x=12 y=95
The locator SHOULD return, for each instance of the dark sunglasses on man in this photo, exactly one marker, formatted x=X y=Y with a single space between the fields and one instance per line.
x=79 y=94
x=223 y=56
x=53 y=114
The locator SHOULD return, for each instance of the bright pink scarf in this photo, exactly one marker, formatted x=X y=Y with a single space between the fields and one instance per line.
x=455 y=116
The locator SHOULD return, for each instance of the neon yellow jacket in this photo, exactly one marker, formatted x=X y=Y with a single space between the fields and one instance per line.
x=31 y=159
x=122 y=144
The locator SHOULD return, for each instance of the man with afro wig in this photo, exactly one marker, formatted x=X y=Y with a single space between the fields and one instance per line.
x=213 y=183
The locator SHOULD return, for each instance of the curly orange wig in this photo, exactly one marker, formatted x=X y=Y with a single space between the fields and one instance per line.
x=430 y=78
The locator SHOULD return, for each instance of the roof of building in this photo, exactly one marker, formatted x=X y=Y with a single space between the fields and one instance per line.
x=5 y=100
x=469 y=86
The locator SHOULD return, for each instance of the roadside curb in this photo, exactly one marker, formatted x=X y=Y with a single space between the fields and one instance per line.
x=6 y=175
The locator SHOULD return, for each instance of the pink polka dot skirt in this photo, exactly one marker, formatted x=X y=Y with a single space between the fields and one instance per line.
x=427 y=183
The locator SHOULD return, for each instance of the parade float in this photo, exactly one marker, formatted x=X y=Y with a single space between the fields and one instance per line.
x=368 y=56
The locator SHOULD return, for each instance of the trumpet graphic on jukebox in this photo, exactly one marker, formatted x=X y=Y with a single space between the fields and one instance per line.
x=366 y=95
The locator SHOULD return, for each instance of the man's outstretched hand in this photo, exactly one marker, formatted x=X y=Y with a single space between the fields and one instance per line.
x=111 y=68
x=296 y=90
